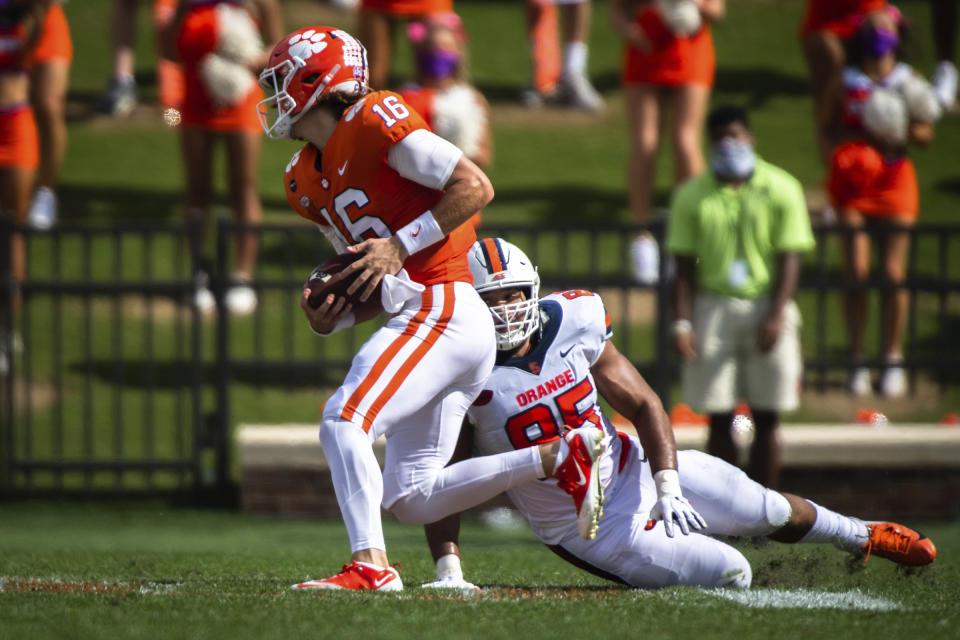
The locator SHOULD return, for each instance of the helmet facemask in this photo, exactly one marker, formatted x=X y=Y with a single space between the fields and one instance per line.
x=516 y=321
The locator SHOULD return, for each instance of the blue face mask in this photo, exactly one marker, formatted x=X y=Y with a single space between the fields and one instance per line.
x=438 y=63
x=732 y=159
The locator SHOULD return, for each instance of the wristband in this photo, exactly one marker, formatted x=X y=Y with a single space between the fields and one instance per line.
x=681 y=325
x=668 y=483
x=421 y=233
x=448 y=566
x=346 y=321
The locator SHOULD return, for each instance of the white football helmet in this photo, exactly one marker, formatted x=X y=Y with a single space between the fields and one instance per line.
x=497 y=264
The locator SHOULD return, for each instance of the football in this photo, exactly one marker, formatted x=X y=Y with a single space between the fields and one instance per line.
x=327 y=279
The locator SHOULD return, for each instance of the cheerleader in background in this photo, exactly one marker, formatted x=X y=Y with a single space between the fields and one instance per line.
x=827 y=27
x=668 y=68
x=452 y=107
x=882 y=105
x=377 y=20
x=49 y=78
x=220 y=45
x=21 y=27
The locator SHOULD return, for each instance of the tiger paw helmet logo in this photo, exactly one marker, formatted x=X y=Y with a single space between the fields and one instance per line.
x=303 y=45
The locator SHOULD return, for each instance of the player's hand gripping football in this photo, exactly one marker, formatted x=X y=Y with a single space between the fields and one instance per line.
x=383 y=256
x=324 y=318
x=672 y=507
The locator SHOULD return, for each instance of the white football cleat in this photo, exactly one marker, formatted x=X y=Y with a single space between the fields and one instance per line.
x=579 y=476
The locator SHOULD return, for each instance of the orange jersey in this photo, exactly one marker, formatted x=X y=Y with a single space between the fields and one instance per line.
x=409 y=7
x=55 y=42
x=837 y=16
x=351 y=190
x=674 y=60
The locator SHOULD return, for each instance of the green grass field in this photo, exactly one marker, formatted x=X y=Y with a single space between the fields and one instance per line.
x=150 y=571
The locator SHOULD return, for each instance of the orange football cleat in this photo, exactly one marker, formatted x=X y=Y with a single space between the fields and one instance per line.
x=358 y=576
x=579 y=475
x=900 y=544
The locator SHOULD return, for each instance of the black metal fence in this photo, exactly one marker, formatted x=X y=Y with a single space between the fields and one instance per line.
x=114 y=383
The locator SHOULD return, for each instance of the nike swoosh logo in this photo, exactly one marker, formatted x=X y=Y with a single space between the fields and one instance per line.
x=563 y=354
x=343 y=168
x=382 y=580
x=583 y=478
x=415 y=233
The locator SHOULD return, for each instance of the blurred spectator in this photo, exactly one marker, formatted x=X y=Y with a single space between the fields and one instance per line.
x=121 y=95
x=944 y=23
x=21 y=31
x=48 y=95
x=668 y=68
x=452 y=107
x=737 y=232
x=827 y=27
x=881 y=105
x=220 y=46
x=552 y=82
x=377 y=23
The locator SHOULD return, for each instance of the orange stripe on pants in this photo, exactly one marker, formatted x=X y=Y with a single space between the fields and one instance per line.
x=381 y=364
x=435 y=332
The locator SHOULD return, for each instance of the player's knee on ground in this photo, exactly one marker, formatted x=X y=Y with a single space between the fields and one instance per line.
x=776 y=509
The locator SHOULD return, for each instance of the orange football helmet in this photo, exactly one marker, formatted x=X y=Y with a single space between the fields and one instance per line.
x=304 y=66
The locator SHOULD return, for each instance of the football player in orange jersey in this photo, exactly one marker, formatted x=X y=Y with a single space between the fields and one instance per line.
x=376 y=180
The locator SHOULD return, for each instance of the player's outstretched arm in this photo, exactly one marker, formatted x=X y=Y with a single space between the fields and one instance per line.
x=630 y=395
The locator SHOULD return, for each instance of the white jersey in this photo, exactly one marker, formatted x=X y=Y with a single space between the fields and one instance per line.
x=528 y=401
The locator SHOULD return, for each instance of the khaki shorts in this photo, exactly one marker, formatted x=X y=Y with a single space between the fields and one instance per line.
x=729 y=365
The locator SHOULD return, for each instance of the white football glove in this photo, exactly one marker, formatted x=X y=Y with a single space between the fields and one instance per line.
x=672 y=506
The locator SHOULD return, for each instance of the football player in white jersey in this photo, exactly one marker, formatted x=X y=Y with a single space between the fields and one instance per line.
x=554 y=358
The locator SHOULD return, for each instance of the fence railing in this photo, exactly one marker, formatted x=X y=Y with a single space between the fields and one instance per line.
x=115 y=383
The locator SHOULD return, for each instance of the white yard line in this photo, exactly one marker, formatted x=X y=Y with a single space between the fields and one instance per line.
x=806 y=599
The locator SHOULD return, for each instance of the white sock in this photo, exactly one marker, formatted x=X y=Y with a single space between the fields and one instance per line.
x=574 y=58
x=849 y=534
x=448 y=567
